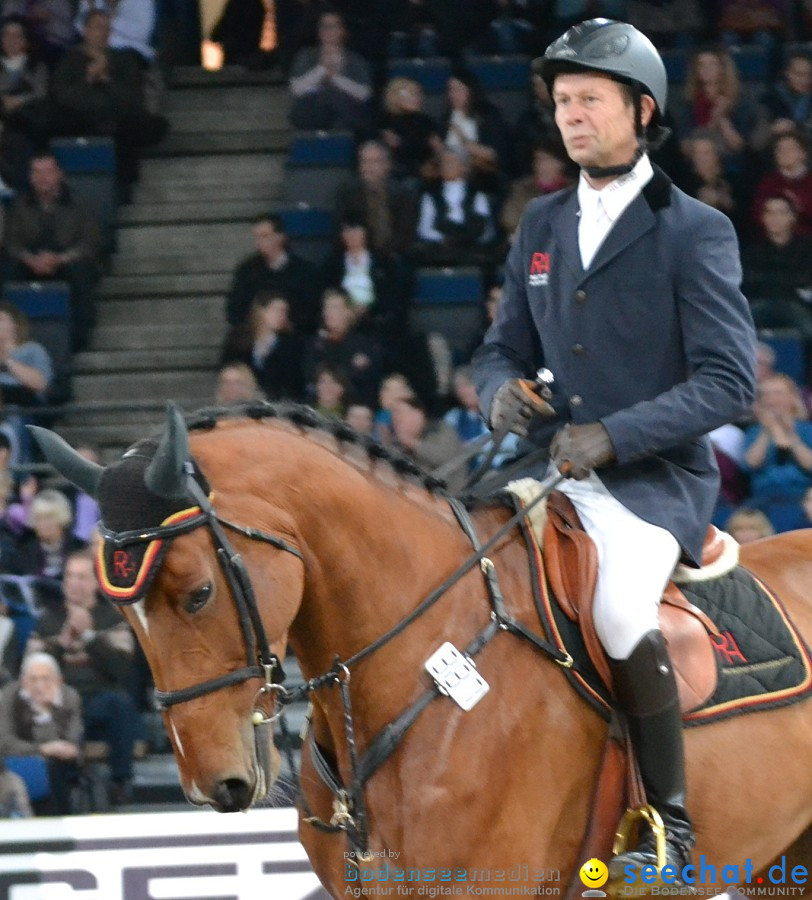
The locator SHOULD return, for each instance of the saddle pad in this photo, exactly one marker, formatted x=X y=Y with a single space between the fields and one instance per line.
x=762 y=660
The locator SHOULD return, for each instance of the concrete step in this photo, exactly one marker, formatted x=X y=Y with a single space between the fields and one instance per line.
x=257 y=140
x=160 y=286
x=180 y=312
x=238 y=102
x=220 y=119
x=144 y=359
x=190 y=77
x=112 y=438
x=194 y=384
x=264 y=184
x=220 y=210
x=205 y=260
x=226 y=237
x=137 y=336
x=208 y=172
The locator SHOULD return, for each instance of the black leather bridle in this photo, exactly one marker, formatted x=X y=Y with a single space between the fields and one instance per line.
x=261 y=661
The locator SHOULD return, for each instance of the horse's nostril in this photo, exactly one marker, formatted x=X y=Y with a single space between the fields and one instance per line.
x=232 y=794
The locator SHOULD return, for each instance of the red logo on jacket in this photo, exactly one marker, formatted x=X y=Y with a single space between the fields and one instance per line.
x=539 y=270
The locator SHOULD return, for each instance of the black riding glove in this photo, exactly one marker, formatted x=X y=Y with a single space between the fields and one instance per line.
x=516 y=402
x=578 y=449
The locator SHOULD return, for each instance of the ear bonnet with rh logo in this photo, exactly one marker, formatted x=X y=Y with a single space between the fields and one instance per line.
x=128 y=557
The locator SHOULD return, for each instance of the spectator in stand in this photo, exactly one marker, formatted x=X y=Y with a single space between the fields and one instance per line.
x=50 y=23
x=9 y=645
x=789 y=177
x=430 y=444
x=466 y=419
x=411 y=135
x=236 y=384
x=44 y=549
x=535 y=126
x=392 y=388
x=341 y=346
x=14 y=802
x=387 y=207
x=24 y=109
x=377 y=286
x=330 y=391
x=239 y=33
x=475 y=128
x=706 y=178
x=271 y=348
x=361 y=417
x=49 y=237
x=713 y=99
x=727 y=443
x=273 y=267
x=25 y=366
x=789 y=101
x=746 y=525
x=762 y=22
x=100 y=90
x=778 y=451
x=456 y=225
x=94 y=647
x=42 y=716
x=551 y=172
x=776 y=266
x=86 y=512
x=331 y=85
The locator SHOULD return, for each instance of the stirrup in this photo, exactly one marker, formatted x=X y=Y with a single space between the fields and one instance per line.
x=655 y=822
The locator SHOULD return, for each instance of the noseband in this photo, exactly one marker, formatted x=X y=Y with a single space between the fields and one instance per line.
x=261 y=661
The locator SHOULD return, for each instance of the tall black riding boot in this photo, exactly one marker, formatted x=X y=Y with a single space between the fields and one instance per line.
x=646 y=690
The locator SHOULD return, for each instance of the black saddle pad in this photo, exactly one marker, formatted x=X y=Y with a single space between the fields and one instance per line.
x=762 y=660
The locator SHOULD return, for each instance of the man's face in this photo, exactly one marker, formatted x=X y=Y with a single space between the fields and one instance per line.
x=79 y=582
x=268 y=240
x=595 y=119
x=45 y=176
x=41 y=682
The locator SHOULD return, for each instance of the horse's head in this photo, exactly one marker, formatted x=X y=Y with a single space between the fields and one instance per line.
x=166 y=559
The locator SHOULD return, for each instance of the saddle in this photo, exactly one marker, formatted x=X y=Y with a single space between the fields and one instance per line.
x=571 y=563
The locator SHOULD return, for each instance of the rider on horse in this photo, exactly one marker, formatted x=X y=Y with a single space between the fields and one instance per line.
x=629 y=291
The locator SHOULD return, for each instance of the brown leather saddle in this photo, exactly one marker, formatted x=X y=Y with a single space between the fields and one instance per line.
x=571 y=564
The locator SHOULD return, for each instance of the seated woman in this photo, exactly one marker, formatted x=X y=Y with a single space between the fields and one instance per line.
x=270 y=347
x=44 y=549
x=25 y=366
x=411 y=135
x=778 y=451
x=713 y=99
x=706 y=178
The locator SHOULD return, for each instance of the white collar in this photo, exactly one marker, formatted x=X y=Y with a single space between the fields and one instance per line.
x=618 y=194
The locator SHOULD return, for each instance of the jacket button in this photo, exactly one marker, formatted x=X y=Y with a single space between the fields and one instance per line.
x=578 y=349
x=580 y=296
x=576 y=400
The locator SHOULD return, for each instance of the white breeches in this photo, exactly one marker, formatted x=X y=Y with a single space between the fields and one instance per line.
x=635 y=562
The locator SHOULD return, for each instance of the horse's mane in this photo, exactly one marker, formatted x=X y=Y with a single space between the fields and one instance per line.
x=308 y=418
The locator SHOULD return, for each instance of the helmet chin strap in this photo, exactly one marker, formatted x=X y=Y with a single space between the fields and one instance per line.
x=614 y=171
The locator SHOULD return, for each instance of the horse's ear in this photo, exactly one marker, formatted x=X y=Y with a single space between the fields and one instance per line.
x=78 y=470
x=166 y=474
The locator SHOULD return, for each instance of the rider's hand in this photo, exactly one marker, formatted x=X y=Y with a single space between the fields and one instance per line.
x=515 y=404
x=578 y=449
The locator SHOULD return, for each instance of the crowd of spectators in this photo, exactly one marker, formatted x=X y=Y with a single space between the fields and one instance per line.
x=428 y=190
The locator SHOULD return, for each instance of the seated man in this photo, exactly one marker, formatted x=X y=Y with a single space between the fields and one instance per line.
x=42 y=716
x=49 y=237
x=95 y=648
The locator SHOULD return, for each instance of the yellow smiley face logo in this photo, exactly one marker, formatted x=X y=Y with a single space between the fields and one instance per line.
x=594 y=873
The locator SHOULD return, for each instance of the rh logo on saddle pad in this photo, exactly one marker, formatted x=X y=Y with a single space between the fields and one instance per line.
x=539 y=270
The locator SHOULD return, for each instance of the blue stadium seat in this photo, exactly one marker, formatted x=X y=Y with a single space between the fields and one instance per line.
x=502 y=73
x=790 y=351
x=34 y=772
x=321 y=148
x=463 y=285
x=676 y=64
x=310 y=230
x=449 y=302
x=752 y=62
x=89 y=164
x=431 y=73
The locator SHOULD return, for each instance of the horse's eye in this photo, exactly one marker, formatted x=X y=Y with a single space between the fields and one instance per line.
x=198 y=599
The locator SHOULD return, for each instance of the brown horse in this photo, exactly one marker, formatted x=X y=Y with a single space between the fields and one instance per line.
x=340 y=544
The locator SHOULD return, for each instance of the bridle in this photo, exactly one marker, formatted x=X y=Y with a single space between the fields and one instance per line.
x=261 y=661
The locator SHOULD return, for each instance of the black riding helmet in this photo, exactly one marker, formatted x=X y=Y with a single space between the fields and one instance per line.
x=620 y=51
